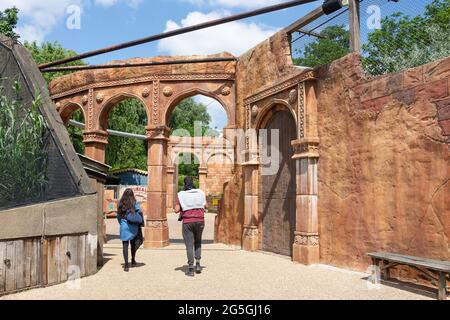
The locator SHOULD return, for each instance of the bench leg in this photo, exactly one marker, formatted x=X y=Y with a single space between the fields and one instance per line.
x=375 y=271
x=442 y=293
x=386 y=274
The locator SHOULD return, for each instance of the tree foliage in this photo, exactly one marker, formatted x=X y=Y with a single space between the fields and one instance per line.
x=406 y=42
x=185 y=116
x=128 y=116
x=402 y=42
x=47 y=52
x=8 y=22
x=334 y=45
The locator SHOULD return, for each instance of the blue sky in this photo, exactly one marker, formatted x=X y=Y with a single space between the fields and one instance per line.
x=107 y=22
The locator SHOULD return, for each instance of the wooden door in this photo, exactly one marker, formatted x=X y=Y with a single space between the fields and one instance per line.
x=278 y=189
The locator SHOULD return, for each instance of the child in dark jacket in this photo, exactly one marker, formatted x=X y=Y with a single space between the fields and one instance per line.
x=131 y=219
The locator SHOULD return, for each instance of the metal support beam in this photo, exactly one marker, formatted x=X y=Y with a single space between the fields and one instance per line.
x=113 y=132
x=176 y=32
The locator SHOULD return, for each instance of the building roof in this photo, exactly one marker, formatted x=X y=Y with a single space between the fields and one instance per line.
x=119 y=171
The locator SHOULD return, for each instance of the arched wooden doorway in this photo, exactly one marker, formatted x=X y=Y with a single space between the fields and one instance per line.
x=278 y=188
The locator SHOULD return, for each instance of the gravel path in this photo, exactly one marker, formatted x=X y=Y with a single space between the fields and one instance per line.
x=228 y=274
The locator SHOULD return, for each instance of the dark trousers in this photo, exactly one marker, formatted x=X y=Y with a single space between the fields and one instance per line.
x=192 y=235
x=132 y=244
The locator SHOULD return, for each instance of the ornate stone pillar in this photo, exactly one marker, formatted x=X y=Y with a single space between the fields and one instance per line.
x=170 y=188
x=95 y=144
x=306 y=156
x=202 y=173
x=250 y=237
x=306 y=245
x=157 y=229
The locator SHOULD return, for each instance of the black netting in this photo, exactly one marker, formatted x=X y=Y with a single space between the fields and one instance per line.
x=395 y=35
x=32 y=166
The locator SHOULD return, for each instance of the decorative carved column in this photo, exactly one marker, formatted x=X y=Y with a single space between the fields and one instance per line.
x=95 y=144
x=157 y=229
x=170 y=188
x=250 y=237
x=202 y=173
x=306 y=156
x=306 y=245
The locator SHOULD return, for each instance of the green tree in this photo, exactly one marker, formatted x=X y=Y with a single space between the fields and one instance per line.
x=8 y=22
x=334 y=45
x=128 y=116
x=406 y=42
x=186 y=114
x=47 y=52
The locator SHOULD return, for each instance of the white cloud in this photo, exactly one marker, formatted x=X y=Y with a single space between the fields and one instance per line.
x=249 y=4
x=109 y=3
x=105 y=3
x=37 y=18
x=233 y=37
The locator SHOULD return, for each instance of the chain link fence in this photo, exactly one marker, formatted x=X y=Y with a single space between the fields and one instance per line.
x=395 y=35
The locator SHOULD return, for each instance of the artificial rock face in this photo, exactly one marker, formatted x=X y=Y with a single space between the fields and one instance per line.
x=384 y=163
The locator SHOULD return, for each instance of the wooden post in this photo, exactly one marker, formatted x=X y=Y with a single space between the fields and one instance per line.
x=442 y=293
x=375 y=271
x=355 y=26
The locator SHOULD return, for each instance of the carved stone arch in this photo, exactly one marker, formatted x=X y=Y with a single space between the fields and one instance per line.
x=111 y=102
x=196 y=90
x=269 y=109
x=222 y=153
x=179 y=152
x=68 y=109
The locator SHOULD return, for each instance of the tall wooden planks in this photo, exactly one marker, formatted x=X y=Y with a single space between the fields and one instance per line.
x=10 y=280
x=19 y=273
x=63 y=259
x=52 y=260
x=82 y=254
x=29 y=262
x=2 y=266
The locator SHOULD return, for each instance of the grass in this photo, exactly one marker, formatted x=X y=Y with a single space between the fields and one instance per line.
x=23 y=156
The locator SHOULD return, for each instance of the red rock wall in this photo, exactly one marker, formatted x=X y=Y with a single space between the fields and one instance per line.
x=384 y=163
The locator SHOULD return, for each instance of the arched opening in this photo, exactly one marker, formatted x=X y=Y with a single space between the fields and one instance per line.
x=278 y=181
x=203 y=116
x=209 y=114
x=73 y=117
x=125 y=115
x=186 y=164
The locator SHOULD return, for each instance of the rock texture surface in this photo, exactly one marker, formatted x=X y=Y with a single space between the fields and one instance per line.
x=384 y=163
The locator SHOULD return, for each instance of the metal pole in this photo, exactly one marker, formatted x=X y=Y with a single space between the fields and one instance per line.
x=168 y=34
x=134 y=65
x=112 y=132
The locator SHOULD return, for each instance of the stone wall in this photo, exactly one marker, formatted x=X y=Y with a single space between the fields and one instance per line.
x=384 y=156
x=259 y=67
x=384 y=162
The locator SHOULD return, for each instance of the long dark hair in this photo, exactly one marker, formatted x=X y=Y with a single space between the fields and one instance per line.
x=127 y=202
x=188 y=183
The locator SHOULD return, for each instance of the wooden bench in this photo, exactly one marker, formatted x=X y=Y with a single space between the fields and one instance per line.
x=437 y=271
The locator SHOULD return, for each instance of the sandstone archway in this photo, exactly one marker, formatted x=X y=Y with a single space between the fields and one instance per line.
x=159 y=88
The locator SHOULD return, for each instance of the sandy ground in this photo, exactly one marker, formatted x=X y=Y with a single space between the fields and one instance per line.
x=228 y=273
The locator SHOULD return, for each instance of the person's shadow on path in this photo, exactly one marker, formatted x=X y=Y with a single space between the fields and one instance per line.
x=185 y=267
x=138 y=265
